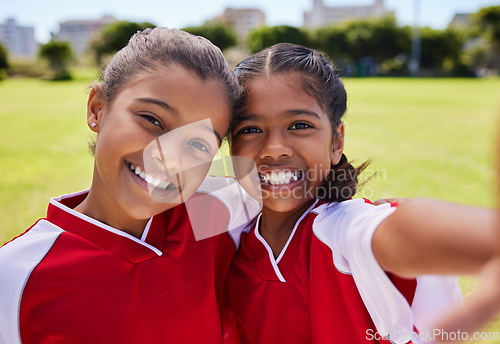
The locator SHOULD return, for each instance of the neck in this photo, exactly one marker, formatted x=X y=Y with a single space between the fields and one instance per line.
x=102 y=207
x=276 y=227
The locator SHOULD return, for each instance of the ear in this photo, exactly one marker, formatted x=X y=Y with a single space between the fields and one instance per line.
x=95 y=106
x=338 y=144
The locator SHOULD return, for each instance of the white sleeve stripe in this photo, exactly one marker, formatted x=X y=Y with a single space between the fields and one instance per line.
x=347 y=228
x=18 y=258
x=434 y=296
x=388 y=308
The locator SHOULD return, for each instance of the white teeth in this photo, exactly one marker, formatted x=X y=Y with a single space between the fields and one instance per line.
x=274 y=178
x=155 y=182
x=280 y=178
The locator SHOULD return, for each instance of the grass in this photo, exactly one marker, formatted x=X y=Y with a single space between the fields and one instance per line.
x=426 y=138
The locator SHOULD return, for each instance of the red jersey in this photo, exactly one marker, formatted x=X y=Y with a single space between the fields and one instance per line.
x=72 y=279
x=326 y=286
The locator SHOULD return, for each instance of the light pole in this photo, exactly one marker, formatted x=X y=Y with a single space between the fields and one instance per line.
x=415 y=42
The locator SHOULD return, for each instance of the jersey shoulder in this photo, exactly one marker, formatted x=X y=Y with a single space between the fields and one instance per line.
x=18 y=258
x=224 y=201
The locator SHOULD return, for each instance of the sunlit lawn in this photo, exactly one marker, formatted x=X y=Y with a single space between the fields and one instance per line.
x=426 y=137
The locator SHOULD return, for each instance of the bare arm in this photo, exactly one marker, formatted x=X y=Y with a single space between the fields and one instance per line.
x=434 y=237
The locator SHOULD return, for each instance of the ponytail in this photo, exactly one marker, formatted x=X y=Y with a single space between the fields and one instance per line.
x=341 y=183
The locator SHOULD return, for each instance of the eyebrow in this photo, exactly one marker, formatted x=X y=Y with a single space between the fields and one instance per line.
x=288 y=113
x=298 y=112
x=157 y=102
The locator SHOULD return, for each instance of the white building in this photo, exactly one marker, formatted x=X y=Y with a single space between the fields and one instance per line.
x=80 y=32
x=461 y=21
x=19 y=40
x=321 y=15
x=242 y=20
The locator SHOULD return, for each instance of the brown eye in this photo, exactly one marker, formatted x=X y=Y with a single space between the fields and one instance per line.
x=152 y=119
x=300 y=125
x=250 y=130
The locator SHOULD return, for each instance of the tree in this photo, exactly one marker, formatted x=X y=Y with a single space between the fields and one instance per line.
x=439 y=47
x=487 y=19
x=332 y=40
x=114 y=37
x=487 y=26
x=3 y=61
x=219 y=34
x=266 y=36
x=380 y=39
x=59 y=55
x=3 y=57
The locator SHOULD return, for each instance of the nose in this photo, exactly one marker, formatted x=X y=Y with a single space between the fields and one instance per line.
x=276 y=145
x=170 y=156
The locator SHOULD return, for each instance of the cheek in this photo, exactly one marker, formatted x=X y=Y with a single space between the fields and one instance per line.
x=319 y=165
x=239 y=148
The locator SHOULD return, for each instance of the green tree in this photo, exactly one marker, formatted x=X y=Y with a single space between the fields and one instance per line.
x=440 y=49
x=59 y=54
x=486 y=24
x=114 y=37
x=380 y=39
x=487 y=19
x=3 y=61
x=3 y=57
x=266 y=36
x=332 y=40
x=219 y=34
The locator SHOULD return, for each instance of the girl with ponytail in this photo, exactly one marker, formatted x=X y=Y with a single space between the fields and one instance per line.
x=318 y=266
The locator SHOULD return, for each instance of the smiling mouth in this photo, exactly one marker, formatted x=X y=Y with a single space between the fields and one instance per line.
x=280 y=178
x=153 y=181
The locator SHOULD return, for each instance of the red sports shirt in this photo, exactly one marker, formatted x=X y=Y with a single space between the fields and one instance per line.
x=326 y=286
x=72 y=279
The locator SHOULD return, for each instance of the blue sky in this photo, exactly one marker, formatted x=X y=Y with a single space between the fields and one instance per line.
x=45 y=15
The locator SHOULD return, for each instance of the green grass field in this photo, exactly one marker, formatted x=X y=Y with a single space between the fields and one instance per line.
x=426 y=138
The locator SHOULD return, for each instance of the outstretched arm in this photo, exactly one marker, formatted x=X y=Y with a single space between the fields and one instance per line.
x=434 y=237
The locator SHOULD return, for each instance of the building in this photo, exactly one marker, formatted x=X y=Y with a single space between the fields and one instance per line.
x=19 y=40
x=461 y=21
x=242 y=20
x=80 y=32
x=321 y=15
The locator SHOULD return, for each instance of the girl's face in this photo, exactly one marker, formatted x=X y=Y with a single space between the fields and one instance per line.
x=289 y=136
x=179 y=117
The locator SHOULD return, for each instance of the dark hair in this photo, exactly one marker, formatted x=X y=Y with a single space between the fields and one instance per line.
x=153 y=48
x=320 y=78
x=150 y=49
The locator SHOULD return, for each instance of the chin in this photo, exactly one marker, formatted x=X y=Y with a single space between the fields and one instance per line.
x=284 y=206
